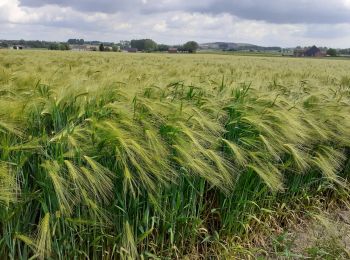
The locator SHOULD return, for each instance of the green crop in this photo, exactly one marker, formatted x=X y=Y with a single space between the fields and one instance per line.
x=143 y=156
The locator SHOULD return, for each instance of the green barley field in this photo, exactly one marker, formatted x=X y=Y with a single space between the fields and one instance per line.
x=157 y=156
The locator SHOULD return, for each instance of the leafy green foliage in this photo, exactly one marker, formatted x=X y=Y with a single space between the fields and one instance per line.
x=144 y=45
x=191 y=46
x=332 y=52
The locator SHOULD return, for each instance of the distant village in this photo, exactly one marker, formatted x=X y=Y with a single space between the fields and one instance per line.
x=141 y=45
x=148 y=45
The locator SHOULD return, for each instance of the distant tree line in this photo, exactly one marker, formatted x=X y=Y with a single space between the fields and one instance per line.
x=148 y=45
x=145 y=45
x=254 y=48
x=332 y=52
x=76 y=41
x=59 y=46
x=27 y=44
x=344 y=51
x=35 y=44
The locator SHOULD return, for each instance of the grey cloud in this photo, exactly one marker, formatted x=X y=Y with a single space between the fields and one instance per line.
x=104 y=6
x=285 y=11
x=327 y=31
x=281 y=11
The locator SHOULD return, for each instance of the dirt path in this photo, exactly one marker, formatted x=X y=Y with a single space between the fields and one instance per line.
x=324 y=236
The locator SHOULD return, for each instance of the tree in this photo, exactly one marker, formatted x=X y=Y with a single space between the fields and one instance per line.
x=54 y=46
x=332 y=52
x=4 y=44
x=64 y=47
x=191 y=46
x=76 y=41
x=144 y=45
x=163 y=47
x=150 y=45
x=59 y=46
x=101 y=47
x=115 y=48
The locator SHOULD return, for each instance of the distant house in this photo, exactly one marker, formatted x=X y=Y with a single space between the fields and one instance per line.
x=313 y=52
x=299 y=52
x=83 y=47
x=77 y=47
x=132 y=49
x=309 y=52
x=91 y=47
x=172 y=50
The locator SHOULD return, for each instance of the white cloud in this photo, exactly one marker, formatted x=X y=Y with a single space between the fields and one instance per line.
x=176 y=21
x=11 y=12
x=161 y=26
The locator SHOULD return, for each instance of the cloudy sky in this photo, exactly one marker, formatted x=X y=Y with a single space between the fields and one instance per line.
x=266 y=22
